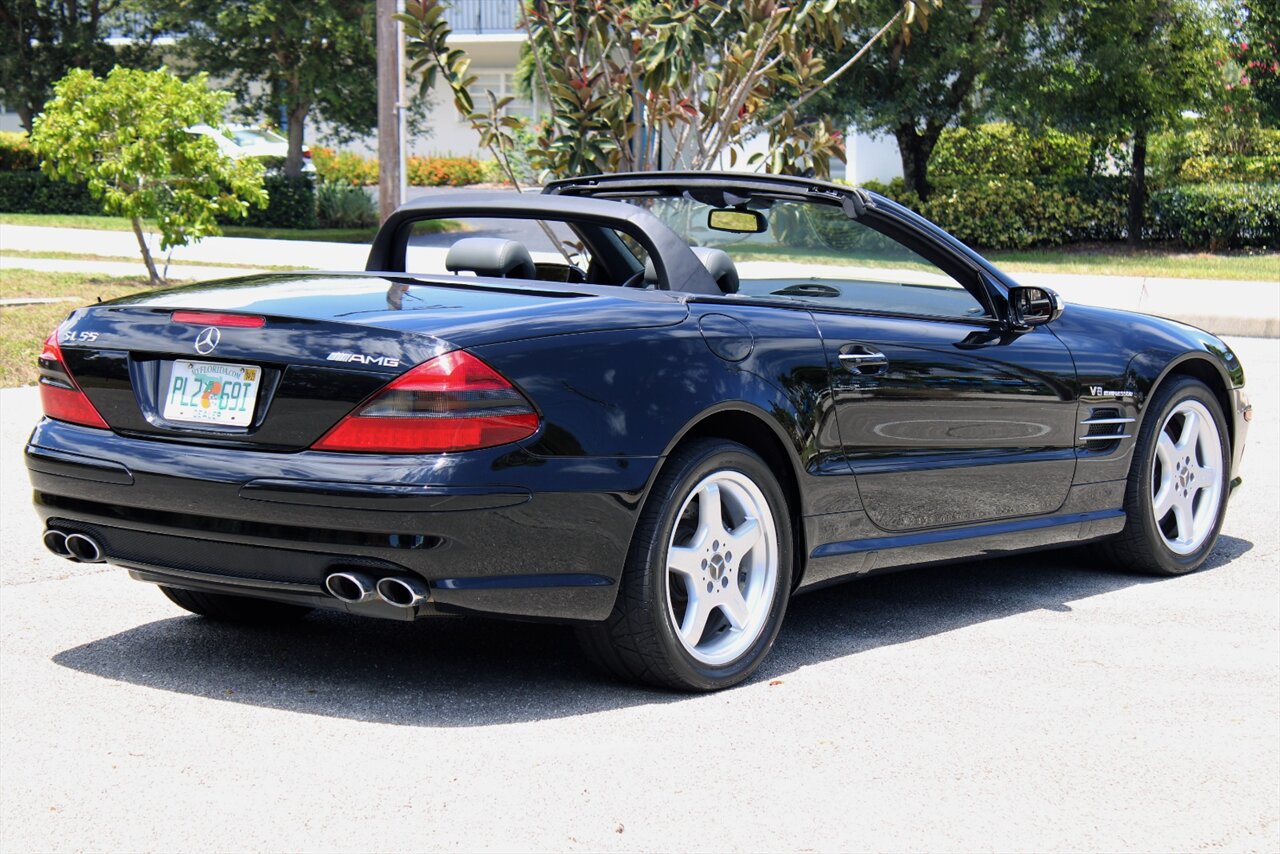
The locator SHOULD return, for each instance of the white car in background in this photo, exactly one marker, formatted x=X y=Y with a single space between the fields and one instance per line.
x=240 y=141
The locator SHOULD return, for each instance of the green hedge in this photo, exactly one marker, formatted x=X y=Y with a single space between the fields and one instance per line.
x=1002 y=149
x=33 y=192
x=1218 y=216
x=16 y=154
x=291 y=204
x=1011 y=213
x=1017 y=213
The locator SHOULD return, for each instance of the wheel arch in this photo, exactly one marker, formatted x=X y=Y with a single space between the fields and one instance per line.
x=1200 y=367
x=747 y=424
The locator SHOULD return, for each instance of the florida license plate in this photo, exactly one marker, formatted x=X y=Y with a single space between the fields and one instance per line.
x=212 y=393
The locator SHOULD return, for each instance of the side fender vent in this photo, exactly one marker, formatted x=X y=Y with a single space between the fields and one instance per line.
x=1103 y=429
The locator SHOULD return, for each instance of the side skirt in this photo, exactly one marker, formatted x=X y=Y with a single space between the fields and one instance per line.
x=835 y=560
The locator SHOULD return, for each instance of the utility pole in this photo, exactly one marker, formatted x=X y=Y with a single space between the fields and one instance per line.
x=389 y=124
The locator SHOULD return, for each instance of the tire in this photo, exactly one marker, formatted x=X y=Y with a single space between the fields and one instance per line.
x=234 y=609
x=1176 y=497
x=682 y=573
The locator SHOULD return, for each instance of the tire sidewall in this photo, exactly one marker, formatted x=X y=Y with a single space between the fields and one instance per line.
x=714 y=457
x=1166 y=399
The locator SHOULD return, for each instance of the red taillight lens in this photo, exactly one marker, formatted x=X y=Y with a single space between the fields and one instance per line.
x=454 y=402
x=217 y=318
x=60 y=395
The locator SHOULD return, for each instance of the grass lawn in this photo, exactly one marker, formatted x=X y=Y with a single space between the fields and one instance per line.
x=72 y=256
x=1113 y=260
x=23 y=328
x=112 y=223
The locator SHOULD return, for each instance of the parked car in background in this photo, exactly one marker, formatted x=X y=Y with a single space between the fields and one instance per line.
x=240 y=141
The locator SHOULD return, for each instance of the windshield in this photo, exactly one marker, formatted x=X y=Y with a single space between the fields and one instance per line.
x=813 y=251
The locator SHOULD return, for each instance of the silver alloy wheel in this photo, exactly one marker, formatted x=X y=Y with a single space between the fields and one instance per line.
x=722 y=567
x=1186 y=477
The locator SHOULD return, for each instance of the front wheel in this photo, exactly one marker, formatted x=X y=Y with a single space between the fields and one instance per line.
x=708 y=575
x=1176 y=497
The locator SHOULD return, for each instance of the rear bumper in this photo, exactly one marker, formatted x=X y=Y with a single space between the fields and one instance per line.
x=503 y=533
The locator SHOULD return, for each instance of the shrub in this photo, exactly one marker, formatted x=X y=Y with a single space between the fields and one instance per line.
x=1016 y=213
x=344 y=206
x=34 y=192
x=1210 y=168
x=1000 y=149
x=344 y=167
x=444 y=171
x=291 y=203
x=16 y=154
x=1219 y=216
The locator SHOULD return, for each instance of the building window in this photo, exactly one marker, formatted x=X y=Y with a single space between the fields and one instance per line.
x=502 y=84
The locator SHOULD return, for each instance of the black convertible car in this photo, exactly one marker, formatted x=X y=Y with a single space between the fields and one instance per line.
x=655 y=406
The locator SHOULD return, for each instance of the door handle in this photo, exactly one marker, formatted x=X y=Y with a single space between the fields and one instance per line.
x=860 y=358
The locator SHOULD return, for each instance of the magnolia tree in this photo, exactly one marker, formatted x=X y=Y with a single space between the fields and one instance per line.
x=634 y=86
x=126 y=137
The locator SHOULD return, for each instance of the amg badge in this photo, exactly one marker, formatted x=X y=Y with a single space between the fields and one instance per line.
x=384 y=361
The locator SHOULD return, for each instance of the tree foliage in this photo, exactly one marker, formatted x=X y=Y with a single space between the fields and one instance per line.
x=1124 y=69
x=124 y=135
x=1253 y=80
x=921 y=80
x=299 y=58
x=44 y=39
x=638 y=86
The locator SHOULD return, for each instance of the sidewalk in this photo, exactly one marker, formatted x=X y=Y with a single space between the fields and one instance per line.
x=1224 y=307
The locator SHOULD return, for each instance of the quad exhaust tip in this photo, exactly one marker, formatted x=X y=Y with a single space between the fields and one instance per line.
x=56 y=542
x=81 y=548
x=402 y=591
x=351 y=587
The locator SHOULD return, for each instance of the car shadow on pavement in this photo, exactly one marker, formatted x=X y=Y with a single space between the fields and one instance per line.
x=478 y=672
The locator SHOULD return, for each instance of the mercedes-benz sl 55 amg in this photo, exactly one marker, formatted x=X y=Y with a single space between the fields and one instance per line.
x=655 y=406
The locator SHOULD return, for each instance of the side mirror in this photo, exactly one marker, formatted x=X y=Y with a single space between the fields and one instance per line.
x=1032 y=306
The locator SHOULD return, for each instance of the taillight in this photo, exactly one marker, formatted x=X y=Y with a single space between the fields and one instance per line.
x=60 y=395
x=453 y=402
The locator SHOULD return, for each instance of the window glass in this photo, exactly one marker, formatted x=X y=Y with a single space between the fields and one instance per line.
x=560 y=251
x=814 y=253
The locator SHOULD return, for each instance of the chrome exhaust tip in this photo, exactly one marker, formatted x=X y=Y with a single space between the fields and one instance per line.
x=56 y=542
x=350 y=587
x=84 y=548
x=402 y=592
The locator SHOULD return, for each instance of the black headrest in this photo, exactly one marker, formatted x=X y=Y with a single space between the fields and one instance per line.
x=490 y=256
x=717 y=262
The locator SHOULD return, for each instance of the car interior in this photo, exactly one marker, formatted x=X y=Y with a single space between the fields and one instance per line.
x=588 y=253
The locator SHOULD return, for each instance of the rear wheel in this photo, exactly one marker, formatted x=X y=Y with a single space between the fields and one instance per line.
x=234 y=609
x=1176 y=497
x=707 y=579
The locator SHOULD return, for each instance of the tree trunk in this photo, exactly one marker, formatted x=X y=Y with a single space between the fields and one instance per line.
x=297 y=125
x=156 y=281
x=1138 y=187
x=915 y=148
x=25 y=116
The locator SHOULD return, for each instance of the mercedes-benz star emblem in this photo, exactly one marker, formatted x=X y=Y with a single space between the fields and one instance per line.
x=207 y=340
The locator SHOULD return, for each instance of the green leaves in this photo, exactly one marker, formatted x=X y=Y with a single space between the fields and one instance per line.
x=636 y=86
x=126 y=137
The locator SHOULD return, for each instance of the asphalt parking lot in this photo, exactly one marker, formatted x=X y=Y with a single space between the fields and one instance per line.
x=1031 y=703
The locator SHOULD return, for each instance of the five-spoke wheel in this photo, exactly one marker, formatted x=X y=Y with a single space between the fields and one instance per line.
x=1177 y=490
x=722 y=567
x=707 y=579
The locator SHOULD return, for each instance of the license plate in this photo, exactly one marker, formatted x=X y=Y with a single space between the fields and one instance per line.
x=212 y=393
